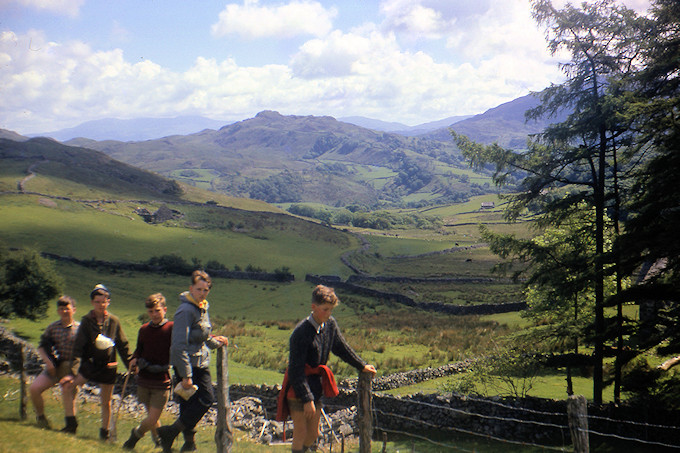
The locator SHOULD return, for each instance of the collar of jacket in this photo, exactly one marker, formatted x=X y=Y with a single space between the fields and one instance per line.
x=202 y=305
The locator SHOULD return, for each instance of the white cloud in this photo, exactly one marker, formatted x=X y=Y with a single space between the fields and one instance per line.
x=495 y=53
x=430 y=19
x=60 y=7
x=361 y=73
x=299 y=17
x=341 y=54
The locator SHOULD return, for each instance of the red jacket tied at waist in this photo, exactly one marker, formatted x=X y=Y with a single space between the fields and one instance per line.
x=330 y=389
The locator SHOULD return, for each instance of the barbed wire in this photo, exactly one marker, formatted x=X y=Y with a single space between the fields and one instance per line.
x=631 y=439
x=523 y=409
x=463 y=431
x=562 y=428
x=494 y=417
x=426 y=439
x=631 y=422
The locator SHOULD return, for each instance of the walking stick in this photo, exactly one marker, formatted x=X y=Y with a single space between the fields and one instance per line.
x=330 y=425
x=112 y=425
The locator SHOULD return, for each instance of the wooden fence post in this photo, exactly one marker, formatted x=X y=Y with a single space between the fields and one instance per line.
x=577 y=413
x=23 y=396
x=224 y=433
x=365 y=411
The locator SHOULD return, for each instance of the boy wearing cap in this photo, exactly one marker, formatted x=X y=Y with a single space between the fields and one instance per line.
x=98 y=337
x=151 y=361
x=56 y=351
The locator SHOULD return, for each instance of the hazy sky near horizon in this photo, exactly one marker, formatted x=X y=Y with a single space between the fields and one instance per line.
x=64 y=62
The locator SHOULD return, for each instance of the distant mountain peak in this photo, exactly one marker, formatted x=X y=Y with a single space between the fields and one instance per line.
x=137 y=129
x=269 y=114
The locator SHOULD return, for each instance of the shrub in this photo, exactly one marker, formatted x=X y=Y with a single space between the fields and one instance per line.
x=27 y=283
x=171 y=263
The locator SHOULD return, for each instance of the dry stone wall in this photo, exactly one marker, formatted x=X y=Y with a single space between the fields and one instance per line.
x=479 y=309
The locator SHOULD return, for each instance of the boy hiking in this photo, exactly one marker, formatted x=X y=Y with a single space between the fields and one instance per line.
x=151 y=362
x=192 y=340
x=56 y=351
x=99 y=336
x=308 y=378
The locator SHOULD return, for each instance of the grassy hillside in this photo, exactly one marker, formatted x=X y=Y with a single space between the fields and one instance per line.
x=281 y=158
x=86 y=167
x=98 y=221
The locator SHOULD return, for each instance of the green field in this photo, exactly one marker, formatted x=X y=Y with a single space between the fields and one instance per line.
x=259 y=316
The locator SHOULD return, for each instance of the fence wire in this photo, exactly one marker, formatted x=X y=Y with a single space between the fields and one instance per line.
x=494 y=417
x=632 y=439
x=458 y=430
x=379 y=415
x=564 y=428
x=434 y=426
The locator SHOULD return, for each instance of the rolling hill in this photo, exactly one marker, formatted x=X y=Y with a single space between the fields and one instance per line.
x=281 y=159
x=504 y=124
x=293 y=159
x=87 y=167
x=134 y=129
x=46 y=166
x=400 y=128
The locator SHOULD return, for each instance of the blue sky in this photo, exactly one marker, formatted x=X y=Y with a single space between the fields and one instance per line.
x=65 y=62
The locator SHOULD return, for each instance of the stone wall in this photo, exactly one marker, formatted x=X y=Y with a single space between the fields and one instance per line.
x=478 y=309
x=534 y=420
x=10 y=352
x=143 y=267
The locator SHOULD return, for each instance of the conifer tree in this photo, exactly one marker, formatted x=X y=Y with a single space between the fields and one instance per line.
x=576 y=162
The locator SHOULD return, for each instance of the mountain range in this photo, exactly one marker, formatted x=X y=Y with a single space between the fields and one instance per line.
x=134 y=129
x=504 y=124
x=290 y=159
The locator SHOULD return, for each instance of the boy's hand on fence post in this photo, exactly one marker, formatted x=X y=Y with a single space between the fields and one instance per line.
x=369 y=369
x=222 y=339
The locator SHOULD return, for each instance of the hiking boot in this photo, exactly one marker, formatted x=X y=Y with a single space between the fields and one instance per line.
x=104 y=434
x=71 y=425
x=189 y=443
x=43 y=422
x=188 y=446
x=132 y=440
x=167 y=435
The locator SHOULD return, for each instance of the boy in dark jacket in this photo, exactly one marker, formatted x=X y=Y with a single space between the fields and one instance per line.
x=151 y=361
x=99 y=336
x=308 y=377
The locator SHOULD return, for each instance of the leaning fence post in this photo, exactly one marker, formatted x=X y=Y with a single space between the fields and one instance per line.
x=224 y=433
x=22 y=388
x=577 y=413
x=365 y=412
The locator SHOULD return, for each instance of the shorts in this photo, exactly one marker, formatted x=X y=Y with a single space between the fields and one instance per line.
x=153 y=397
x=296 y=405
x=98 y=374
x=63 y=369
